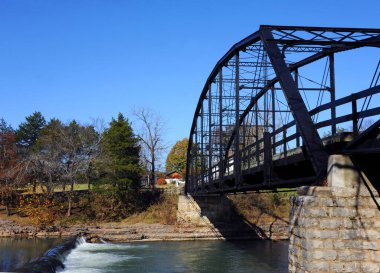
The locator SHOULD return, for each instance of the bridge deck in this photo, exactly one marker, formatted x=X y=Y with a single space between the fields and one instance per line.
x=288 y=171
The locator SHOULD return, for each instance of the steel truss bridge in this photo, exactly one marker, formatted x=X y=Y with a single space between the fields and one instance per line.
x=268 y=116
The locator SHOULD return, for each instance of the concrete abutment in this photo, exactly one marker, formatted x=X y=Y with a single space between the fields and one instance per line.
x=218 y=212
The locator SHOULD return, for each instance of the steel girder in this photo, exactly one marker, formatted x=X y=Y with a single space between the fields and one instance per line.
x=232 y=133
x=310 y=136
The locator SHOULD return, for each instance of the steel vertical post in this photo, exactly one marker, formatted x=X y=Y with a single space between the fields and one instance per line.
x=209 y=135
x=332 y=93
x=257 y=135
x=196 y=158
x=273 y=118
x=285 y=142
x=354 y=116
x=296 y=79
x=202 y=151
x=237 y=162
x=267 y=159
x=221 y=161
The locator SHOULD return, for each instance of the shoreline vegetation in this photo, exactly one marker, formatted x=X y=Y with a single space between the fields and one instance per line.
x=63 y=179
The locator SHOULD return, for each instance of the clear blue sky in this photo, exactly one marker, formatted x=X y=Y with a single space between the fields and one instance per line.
x=83 y=59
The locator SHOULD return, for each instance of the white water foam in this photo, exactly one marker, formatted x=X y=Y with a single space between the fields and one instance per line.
x=81 y=240
x=96 y=258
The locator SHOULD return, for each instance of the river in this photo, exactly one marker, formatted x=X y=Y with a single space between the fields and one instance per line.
x=15 y=252
x=160 y=257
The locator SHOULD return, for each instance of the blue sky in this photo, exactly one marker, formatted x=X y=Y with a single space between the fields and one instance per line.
x=83 y=59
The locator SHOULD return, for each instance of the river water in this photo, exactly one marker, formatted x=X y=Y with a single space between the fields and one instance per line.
x=174 y=257
x=16 y=252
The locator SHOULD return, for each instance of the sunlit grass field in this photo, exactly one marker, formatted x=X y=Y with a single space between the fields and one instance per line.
x=42 y=189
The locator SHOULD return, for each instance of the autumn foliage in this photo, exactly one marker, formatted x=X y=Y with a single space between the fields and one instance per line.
x=8 y=168
x=161 y=181
x=39 y=209
x=176 y=176
x=176 y=160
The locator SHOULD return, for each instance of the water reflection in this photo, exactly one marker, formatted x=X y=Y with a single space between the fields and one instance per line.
x=180 y=257
x=159 y=257
x=14 y=252
x=235 y=256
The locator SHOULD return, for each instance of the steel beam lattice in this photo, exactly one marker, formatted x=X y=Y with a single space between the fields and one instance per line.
x=263 y=122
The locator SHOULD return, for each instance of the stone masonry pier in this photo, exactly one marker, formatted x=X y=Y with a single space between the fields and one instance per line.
x=336 y=228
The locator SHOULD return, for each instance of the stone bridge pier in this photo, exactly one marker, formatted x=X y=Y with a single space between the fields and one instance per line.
x=336 y=228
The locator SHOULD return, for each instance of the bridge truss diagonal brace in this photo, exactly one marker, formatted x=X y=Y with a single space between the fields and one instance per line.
x=312 y=142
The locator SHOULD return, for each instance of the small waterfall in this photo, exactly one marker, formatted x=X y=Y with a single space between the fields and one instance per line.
x=53 y=258
x=81 y=240
x=102 y=241
x=101 y=256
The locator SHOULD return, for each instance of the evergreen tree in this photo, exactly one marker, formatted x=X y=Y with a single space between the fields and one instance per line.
x=28 y=131
x=5 y=127
x=119 y=166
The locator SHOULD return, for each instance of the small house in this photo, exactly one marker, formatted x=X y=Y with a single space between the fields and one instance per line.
x=174 y=177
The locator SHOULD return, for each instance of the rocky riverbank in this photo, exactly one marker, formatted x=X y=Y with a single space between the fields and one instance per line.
x=122 y=232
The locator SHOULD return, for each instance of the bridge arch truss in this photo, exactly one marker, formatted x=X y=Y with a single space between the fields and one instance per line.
x=268 y=116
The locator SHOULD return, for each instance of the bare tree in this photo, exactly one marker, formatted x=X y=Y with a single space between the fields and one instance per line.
x=151 y=137
x=65 y=154
x=79 y=146
x=9 y=168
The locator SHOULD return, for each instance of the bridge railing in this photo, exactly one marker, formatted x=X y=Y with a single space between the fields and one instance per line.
x=252 y=156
